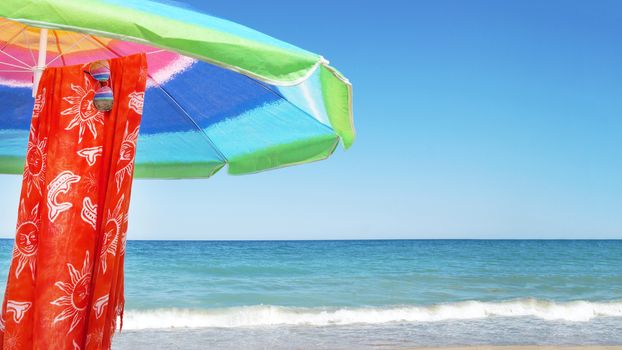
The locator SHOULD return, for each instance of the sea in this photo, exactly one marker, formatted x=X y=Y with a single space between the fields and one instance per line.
x=368 y=294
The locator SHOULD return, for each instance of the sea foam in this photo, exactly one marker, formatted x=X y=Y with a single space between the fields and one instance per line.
x=267 y=315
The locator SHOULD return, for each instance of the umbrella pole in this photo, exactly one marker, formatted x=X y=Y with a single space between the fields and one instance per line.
x=43 y=47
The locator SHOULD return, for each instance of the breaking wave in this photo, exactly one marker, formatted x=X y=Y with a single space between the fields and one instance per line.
x=266 y=315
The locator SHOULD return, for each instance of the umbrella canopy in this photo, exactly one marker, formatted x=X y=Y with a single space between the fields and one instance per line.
x=218 y=92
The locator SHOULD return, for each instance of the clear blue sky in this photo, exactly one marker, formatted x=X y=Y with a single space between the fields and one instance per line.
x=475 y=119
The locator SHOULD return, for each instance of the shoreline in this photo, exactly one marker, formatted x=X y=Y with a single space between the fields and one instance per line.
x=522 y=347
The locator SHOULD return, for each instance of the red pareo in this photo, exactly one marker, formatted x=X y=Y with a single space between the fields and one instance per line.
x=65 y=284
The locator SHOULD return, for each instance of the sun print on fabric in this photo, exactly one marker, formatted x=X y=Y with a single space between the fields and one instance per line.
x=65 y=283
x=115 y=220
x=126 y=158
x=26 y=240
x=82 y=109
x=36 y=157
x=76 y=294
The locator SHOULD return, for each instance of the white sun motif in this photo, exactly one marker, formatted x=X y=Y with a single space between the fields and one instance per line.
x=26 y=240
x=115 y=220
x=76 y=298
x=84 y=113
x=36 y=157
x=126 y=157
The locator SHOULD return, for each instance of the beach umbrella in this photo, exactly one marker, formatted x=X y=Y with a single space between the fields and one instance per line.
x=217 y=93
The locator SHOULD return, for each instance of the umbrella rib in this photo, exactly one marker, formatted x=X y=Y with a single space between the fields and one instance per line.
x=11 y=56
x=25 y=65
x=16 y=71
x=58 y=46
x=71 y=47
x=253 y=80
x=152 y=52
x=97 y=42
x=15 y=66
x=189 y=117
x=289 y=102
x=6 y=22
x=32 y=55
x=166 y=93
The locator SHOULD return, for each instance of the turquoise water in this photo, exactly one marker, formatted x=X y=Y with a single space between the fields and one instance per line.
x=369 y=294
x=368 y=273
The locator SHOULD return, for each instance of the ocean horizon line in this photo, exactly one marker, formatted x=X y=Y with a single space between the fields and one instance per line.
x=376 y=240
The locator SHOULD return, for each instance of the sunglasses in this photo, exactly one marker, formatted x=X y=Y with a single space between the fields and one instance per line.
x=103 y=98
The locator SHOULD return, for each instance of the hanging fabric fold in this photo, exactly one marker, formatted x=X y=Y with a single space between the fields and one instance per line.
x=65 y=284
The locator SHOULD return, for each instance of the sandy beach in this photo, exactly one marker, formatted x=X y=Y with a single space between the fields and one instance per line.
x=526 y=347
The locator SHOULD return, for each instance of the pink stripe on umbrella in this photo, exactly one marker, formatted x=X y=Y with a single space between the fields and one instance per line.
x=16 y=62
